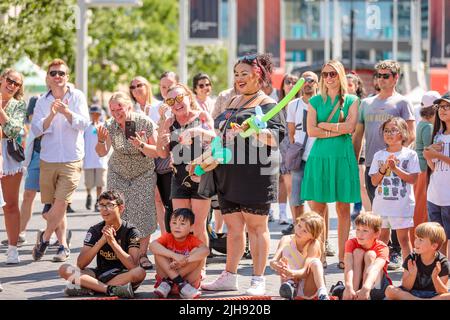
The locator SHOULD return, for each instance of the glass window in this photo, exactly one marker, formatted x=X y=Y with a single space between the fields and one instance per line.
x=302 y=19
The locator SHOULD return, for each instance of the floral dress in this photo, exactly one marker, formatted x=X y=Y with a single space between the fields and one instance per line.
x=133 y=175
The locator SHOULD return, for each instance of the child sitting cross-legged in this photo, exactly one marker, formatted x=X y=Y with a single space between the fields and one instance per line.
x=426 y=269
x=179 y=257
x=297 y=260
x=366 y=259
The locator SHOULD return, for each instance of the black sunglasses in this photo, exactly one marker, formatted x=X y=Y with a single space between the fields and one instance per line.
x=53 y=73
x=11 y=82
x=249 y=58
x=202 y=85
x=137 y=86
x=310 y=80
x=384 y=75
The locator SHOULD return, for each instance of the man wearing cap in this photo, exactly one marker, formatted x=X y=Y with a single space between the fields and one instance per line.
x=424 y=133
x=388 y=103
x=95 y=167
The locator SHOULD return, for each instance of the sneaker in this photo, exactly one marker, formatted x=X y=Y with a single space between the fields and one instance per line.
x=257 y=287
x=13 y=256
x=287 y=290
x=289 y=230
x=163 y=289
x=395 y=261
x=329 y=251
x=54 y=242
x=271 y=218
x=69 y=209
x=62 y=254
x=76 y=291
x=88 y=202
x=337 y=290
x=20 y=242
x=225 y=282
x=125 y=291
x=354 y=215
x=323 y=297
x=189 y=292
x=40 y=247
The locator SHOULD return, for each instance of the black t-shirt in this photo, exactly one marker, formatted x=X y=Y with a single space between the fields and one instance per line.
x=251 y=177
x=127 y=237
x=423 y=279
x=184 y=154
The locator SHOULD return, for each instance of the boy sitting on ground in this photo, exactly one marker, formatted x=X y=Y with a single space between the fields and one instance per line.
x=115 y=243
x=366 y=260
x=426 y=269
x=179 y=257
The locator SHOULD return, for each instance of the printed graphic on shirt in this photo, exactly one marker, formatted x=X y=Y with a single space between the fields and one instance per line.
x=392 y=187
x=441 y=165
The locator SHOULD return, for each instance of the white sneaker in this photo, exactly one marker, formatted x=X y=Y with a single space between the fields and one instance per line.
x=189 y=292
x=225 y=282
x=257 y=287
x=13 y=256
x=163 y=289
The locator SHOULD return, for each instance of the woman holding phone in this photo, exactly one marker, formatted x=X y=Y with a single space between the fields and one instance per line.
x=131 y=169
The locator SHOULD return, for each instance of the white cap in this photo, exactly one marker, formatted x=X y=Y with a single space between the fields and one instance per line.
x=429 y=97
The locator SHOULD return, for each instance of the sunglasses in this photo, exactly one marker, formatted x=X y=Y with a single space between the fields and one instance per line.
x=53 y=73
x=289 y=82
x=248 y=58
x=11 y=82
x=384 y=75
x=139 y=85
x=391 y=132
x=202 y=85
x=310 y=80
x=179 y=98
x=445 y=107
x=331 y=74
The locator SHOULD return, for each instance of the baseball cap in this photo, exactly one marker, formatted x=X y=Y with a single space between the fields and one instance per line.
x=445 y=97
x=95 y=109
x=429 y=98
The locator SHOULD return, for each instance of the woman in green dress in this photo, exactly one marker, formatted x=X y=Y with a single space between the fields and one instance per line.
x=331 y=172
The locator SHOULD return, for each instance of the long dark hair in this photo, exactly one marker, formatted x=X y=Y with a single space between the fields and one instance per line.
x=261 y=63
x=282 y=92
x=438 y=126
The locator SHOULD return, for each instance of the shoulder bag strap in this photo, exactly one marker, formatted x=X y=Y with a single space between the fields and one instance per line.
x=336 y=107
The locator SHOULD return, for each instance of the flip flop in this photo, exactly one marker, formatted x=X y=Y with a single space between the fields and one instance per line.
x=145 y=263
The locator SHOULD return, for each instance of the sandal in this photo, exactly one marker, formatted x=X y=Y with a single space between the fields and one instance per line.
x=145 y=263
x=341 y=265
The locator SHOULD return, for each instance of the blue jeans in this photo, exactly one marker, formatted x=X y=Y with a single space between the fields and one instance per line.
x=441 y=215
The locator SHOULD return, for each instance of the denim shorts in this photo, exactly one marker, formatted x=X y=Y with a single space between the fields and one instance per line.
x=421 y=293
x=297 y=177
x=440 y=215
x=32 y=178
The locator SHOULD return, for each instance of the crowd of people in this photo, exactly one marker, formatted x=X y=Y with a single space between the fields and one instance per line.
x=331 y=144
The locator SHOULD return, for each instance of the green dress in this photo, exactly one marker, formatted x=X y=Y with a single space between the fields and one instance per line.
x=331 y=172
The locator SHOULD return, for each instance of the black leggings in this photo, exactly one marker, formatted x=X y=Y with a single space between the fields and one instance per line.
x=163 y=181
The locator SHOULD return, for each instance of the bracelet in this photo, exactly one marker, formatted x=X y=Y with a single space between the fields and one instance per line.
x=101 y=142
x=337 y=127
x=379 y=171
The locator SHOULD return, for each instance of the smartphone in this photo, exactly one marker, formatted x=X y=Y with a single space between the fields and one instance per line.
x=130 y=129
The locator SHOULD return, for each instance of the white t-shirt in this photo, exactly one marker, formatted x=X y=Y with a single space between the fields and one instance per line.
x=153 y=111
x=393 y=196
x=91 y=158
x=439 y=187
x=295 y=113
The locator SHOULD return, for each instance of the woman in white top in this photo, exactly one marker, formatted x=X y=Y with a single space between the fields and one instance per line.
x=202 y=87
x=144 y=102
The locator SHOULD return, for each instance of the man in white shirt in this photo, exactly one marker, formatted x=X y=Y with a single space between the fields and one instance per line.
x=60 y=117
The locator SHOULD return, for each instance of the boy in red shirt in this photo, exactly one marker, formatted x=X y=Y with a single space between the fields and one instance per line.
x=179 y=257
x=366 y=260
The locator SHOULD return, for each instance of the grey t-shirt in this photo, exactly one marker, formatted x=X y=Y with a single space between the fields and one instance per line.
x=374 y=111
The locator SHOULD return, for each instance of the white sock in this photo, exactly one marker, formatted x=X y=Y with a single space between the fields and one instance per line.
x=22 y=234
x=12 y=248
x=258 y=278
x=322 y=291
x=282 y=209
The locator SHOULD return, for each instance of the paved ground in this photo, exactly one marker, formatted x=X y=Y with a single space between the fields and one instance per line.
x=39 y=280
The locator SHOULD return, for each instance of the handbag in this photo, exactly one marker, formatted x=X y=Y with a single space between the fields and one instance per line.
x=207 y=186
x=295 y=151
x=15 y=150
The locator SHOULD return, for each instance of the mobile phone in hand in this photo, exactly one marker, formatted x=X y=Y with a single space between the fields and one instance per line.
x=130 y=129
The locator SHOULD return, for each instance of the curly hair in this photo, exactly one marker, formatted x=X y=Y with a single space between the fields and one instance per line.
x=262 y=65
x=20 y=93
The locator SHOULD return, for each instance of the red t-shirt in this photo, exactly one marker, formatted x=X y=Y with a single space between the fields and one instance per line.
x=180 y=247
x=379 y=247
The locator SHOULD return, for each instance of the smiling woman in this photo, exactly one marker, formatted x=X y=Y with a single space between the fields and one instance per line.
x=12 y=117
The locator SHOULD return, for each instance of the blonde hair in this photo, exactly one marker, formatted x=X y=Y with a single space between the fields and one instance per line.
x=20 y=92
x=193 y=101
x=368 y=219
x=336 y=65
x=390 y=65
x=433 y=231
x=314 y=223
x=401 y=125
x=121 y=98
x=58 y=62
x=147 y=85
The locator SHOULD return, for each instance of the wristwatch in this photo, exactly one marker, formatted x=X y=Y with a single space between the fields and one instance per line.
x=141 y=146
